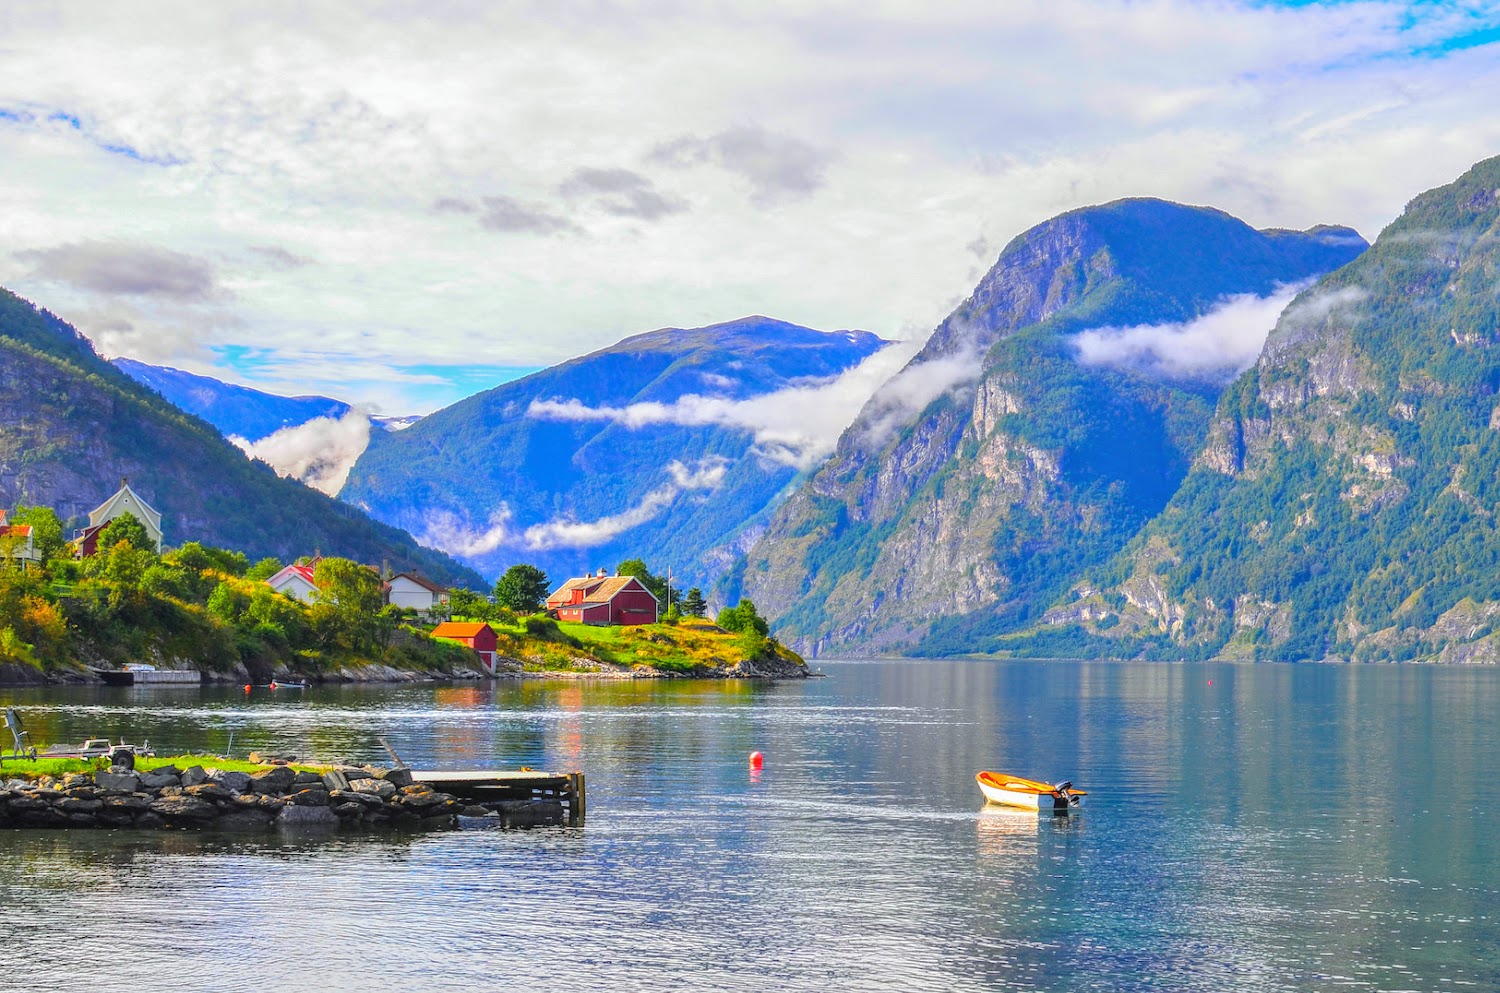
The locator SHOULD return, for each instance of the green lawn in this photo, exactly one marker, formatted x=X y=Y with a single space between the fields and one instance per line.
x=15 y=768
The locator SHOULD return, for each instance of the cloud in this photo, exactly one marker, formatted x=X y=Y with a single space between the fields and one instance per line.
x=279 y=258
x=909 y=391
x=122 y=268
x=1218 y=345
x=620 y=192
x=1309 y=313
x=448 y=531
x=797 y=426
x=319 y=452
x=510 y=216
x=705 y=474
x=778 y=167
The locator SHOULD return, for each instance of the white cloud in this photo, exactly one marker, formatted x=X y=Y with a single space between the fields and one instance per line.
x=796 y=426
x=319 y=452
x=449 y=532
x=889 y=136
x=909 y=392
x=706 y=474
x=1221 y=343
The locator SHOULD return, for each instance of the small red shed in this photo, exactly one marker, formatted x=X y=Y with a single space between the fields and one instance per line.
x=602 y=599
x=480 y=638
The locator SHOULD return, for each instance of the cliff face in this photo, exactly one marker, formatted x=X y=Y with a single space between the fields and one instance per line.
x=1344 y=503
x=978 y=483
x=71 y=426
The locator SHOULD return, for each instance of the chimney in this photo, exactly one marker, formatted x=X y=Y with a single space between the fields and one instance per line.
x=601 y=574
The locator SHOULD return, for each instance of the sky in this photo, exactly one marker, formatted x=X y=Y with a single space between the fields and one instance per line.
x=398 y=204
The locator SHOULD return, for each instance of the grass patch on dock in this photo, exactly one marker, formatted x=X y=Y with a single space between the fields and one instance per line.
x=19 y=768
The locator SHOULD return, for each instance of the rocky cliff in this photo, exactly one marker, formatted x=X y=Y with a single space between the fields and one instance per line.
x=1344 y=503
x=980 y=482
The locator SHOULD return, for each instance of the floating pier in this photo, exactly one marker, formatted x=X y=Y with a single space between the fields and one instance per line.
x=150 y=677
x=487 y=787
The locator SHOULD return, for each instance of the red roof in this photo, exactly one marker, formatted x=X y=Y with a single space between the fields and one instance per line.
x=14 y=530
x=458 y=629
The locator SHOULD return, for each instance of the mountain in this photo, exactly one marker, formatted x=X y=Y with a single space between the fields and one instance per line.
x=1345 y=502
x=668 y=446
x=237 y=411
x=1051 y=415
x=71 y=425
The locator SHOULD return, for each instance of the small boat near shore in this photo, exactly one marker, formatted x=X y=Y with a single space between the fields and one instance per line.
x=141 y=674
x=1014 y=791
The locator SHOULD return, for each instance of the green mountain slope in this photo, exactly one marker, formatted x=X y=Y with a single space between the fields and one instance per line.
x=939 y=532
x=71 y=426
x=1345 y=503
x=497 y=481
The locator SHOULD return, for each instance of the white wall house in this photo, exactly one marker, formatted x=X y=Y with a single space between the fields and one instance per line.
x=410 y=591
x=124 y=500
x=17 y=542
x=296 y=581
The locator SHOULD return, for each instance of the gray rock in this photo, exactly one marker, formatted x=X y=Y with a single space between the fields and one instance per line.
x=294 y=818
x=307 y=779
x=243 y=820
x=398 y=777
x=168 y=770
x=350 y=796
x=73 y=780
x=309 y=798
x=194 y=776
x=348 y=809
x=208 y=791
x=78 y=805
x=378 y=787
x=184 y=807
x=150 y=822
x=131 y=804
x=127 y=782
x=351 y=773
x=156 y=780
x=238 y=782
x=530 y=813
x=335 y=780
x=472 y=822
x=275 y=780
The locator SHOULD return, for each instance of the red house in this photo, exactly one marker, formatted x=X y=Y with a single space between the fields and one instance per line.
x=602 y=599
x=480 y=638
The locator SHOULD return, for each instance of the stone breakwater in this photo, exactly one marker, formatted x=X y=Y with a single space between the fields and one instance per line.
x=279 y=797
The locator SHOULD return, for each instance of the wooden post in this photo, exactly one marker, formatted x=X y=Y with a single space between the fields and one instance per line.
x=577 y=801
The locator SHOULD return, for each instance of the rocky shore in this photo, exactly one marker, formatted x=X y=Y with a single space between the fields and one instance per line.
x=169 y=798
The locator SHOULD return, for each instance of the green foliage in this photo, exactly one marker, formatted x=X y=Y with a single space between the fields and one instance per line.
x=656 y=584
x=743 y=617
x=523 y=589
x=127 y=528
x=264 y=569
x=693 y=604
x=46 y=529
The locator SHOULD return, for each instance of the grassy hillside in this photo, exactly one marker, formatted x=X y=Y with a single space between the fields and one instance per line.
x=71 y=426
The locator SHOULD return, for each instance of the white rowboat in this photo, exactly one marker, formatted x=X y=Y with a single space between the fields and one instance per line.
x=1013 y=791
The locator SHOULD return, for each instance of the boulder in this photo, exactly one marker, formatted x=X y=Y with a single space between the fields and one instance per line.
x=351 y=773
x=335 y=780
x=184 y=807
x=208 y=791
x=529 y=813
x=157 y=779
x=379 y=787
x=150 y=822
x=132 y=803
x=237 y=782
x=348 y=809
x=78 y=805
x=73 y=780
x=398 y=777
x=309 y=798
x=274 y=780
x=307 y=779
x=194 y=776
x=293 y=818
x=125 y=782
x=350 y=796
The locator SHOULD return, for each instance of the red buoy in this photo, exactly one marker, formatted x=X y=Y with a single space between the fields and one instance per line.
x=247 y=687
x=757 y=760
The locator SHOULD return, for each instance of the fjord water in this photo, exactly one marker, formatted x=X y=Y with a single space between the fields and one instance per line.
x=1268 y=827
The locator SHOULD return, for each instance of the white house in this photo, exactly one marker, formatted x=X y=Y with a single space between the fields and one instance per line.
x=17 y=542
x=410 y=591
x=296 y=581
x=125 y=500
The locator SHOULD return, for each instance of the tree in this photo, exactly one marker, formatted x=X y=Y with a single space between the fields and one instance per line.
x=693 y=605
x=346 y=605
x=127 y=528
x=523 y=588
x=263 y=570
x=743 y=617
x=46 y=529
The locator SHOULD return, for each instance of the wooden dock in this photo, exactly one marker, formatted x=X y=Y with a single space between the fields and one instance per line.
x=525 y=784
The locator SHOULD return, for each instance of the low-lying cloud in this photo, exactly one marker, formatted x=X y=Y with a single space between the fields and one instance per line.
x=319 y=452
x=796 y=426
x=123 y=268
x=1218 y=345
x=908 y=392
x=448 y=531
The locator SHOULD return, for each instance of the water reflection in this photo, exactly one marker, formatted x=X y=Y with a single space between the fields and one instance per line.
x=1247 y=828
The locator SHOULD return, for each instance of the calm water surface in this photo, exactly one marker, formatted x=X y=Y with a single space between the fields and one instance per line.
x=1248 y=828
